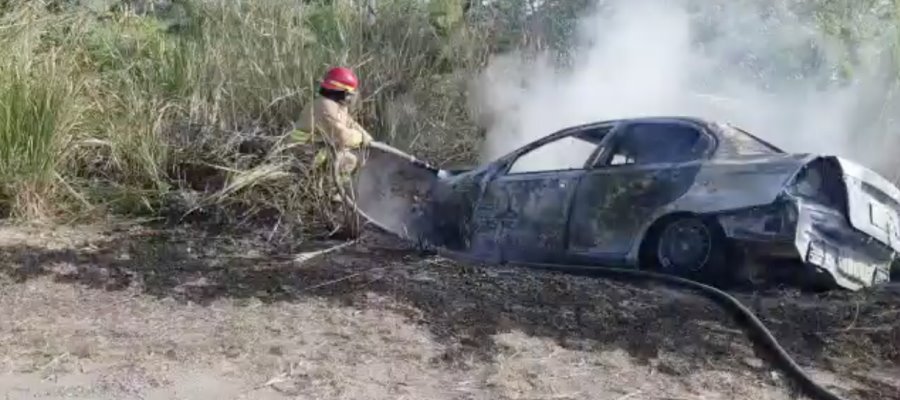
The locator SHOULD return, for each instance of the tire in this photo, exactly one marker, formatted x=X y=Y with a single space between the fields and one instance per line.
x=689 y=247
x=894 y=270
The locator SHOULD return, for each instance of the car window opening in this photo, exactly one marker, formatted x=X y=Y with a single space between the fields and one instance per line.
x=563 y=154
x=567 y=153
x=741 y=143
x=657 y=143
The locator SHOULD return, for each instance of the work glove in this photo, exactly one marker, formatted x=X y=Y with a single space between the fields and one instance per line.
x=300 y=136
x=367 y=139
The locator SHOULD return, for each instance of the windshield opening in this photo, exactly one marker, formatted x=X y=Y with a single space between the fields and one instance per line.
x=743 y=143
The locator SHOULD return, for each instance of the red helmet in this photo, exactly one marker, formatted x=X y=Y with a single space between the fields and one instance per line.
x=340 y=78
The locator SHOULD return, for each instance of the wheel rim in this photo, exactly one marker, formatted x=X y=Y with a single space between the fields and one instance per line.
x=684 y=246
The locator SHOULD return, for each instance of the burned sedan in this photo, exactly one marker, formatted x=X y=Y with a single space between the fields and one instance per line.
x=684 y=196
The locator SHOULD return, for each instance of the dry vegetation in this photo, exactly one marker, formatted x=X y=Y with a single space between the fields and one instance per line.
x=180 y=114
x=180 y=111
x=121 y=109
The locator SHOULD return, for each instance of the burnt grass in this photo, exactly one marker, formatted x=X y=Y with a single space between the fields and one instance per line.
x=463 y=305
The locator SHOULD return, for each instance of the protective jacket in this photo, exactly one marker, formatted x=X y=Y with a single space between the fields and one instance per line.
x=331 y=121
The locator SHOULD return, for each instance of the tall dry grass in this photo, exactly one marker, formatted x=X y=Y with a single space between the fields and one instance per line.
x=182 y=112
x=120 y=112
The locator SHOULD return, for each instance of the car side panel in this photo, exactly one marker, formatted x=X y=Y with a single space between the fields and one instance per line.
x=726 y=185
x=723 y=185
x=524 y=216
x=612 y=205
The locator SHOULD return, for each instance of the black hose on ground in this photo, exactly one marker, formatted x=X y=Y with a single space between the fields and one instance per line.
x=727 y=301
x=759 y=332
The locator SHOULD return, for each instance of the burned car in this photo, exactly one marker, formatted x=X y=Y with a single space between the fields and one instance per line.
x=685 y=196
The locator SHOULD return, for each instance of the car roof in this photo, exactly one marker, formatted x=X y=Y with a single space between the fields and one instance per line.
x=710 y=125
x=657 y=118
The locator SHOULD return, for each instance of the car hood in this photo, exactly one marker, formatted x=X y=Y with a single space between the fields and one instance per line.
x=392 y=189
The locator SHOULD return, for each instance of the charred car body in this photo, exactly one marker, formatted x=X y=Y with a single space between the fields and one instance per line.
x=686 y=196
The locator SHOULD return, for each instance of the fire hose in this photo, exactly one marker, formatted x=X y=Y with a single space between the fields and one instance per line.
x=760 y=333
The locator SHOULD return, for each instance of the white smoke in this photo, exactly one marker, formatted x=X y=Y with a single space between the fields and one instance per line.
x=673 y=57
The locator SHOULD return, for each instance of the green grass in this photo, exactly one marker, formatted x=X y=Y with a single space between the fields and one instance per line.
x=113 y=112
x=29 y=147
x=36 y=112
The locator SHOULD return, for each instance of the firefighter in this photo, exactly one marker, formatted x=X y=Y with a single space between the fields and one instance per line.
x=328 y=118
x=327 y=121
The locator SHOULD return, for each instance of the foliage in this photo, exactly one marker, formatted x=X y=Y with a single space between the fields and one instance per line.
x=106 y=108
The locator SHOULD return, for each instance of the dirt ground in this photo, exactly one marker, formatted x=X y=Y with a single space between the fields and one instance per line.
x=133 y=313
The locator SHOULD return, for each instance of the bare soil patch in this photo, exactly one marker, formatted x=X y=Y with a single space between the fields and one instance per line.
x=132 y=312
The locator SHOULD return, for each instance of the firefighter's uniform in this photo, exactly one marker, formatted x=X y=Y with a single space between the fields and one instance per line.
x=330 y=123
x=326 y=124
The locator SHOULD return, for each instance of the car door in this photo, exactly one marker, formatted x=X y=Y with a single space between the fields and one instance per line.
x=523 y=211
x=649 y=164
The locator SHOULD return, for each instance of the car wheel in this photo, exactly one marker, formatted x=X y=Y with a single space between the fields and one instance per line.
x=688 y=247
x=894 y=271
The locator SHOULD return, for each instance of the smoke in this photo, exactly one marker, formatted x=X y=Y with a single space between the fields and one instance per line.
x=766 y=69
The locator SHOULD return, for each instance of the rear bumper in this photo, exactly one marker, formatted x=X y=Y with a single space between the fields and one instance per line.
x=853 y=259
x=817 y=238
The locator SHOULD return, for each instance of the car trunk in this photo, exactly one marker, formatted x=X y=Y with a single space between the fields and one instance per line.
x=872 y=205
